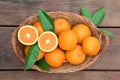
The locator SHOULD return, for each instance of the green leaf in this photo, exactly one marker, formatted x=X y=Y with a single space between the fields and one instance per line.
x=98 y=16
x=46 y=21
x=43 y=65
x=110 y=35
x=32 y=55
x=86 y=13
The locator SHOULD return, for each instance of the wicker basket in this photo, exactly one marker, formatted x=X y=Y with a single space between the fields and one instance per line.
x=73 y=19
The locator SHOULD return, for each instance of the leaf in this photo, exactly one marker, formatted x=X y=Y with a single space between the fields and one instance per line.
x=46 y=21
x=110 y=35
x=43 y=65
x=86 y=13
x=98 y=16
x=32 y=55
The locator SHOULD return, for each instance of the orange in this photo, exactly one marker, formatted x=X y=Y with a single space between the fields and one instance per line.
x=91 y=46
x=67 y=40
x=75 y=56
x=47 y=41
x=28 y=35
x=55 y=58
x=82 y=31
x=40 y=56
x=38 y=26
x=61 y=24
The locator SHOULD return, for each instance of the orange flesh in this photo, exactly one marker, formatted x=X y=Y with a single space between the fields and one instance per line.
x=28 y=35
x=47 y=41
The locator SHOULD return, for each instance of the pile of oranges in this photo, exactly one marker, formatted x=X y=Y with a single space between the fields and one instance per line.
x=66 y=44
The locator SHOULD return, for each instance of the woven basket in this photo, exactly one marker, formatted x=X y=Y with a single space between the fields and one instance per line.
x=73 y=19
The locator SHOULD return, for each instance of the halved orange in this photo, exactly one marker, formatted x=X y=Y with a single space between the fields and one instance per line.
x=28 y=35
x=47 y=41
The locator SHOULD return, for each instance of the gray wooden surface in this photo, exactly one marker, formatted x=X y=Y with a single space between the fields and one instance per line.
x=12 y=12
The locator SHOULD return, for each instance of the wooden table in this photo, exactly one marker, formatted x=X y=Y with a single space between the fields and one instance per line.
x=12 y=12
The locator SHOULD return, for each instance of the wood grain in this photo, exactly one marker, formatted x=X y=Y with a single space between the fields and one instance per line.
x=7 y=57
x=108 y=60
x=34 y=75
x=12 y=12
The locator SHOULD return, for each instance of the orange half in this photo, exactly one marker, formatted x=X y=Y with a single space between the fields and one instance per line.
x=47 y=41
x=28 y=35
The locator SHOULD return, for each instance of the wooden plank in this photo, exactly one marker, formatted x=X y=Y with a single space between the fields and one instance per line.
x=7 y=58
x=109 y=60
x=84 y=75
x=12 y=12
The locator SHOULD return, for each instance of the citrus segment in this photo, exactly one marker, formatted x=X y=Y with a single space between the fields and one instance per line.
x=27 y=35
x=91 y=46
x=47 y=41
x=67 y=40
x=82 y=31
x=61 y=24
x=75 y=56
x=40 y=56
x=38 y=26
x=55 y=58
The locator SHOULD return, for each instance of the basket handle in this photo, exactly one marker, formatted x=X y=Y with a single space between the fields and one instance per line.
x=104 y=40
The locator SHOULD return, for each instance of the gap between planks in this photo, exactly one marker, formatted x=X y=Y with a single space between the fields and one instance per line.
x=107 y=70
x=98 y=26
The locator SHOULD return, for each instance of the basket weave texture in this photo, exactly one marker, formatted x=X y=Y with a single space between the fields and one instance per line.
x=73 y=19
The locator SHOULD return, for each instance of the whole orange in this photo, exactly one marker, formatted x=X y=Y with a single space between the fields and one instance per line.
x=38 y=26
x=76 y=55
x=91 y=46
x=61 y=24
x=82 y=31
x=67 y=39
x=40 y=56
x=55 y=58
